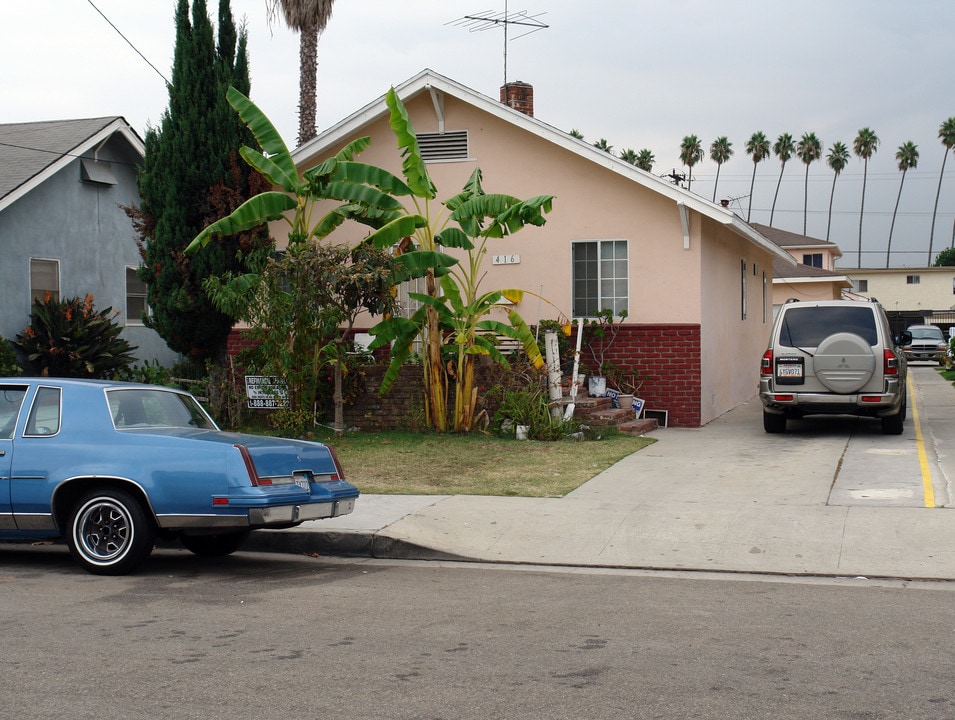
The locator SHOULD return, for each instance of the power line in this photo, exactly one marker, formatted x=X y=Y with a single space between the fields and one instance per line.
x=118 y=32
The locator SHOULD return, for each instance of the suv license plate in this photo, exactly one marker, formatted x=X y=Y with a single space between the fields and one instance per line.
x=789 y=371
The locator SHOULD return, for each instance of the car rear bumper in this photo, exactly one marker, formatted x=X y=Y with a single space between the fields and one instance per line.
x=808 y=403
x=278 y=516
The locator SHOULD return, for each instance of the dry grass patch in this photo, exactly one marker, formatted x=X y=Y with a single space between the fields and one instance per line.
x=429 y=464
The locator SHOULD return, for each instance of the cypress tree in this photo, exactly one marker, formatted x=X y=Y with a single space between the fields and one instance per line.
x=191 y=174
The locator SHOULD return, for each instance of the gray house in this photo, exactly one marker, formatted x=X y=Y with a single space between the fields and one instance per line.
x=62 y=228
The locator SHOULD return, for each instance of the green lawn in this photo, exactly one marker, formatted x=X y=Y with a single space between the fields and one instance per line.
x=405 y=463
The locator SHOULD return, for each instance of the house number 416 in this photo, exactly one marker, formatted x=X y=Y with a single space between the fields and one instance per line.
x=506 y=259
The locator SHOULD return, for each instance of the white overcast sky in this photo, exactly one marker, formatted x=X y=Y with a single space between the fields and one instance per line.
x=640 y=73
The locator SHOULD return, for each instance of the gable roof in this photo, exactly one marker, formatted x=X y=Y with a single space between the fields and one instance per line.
x=32 y=152
x=428 y=81
x=790 y=240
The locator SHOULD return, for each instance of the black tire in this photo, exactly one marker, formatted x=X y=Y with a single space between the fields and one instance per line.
x=109 y=532
x=773 y=423
x=215 y=545
x=893 y=424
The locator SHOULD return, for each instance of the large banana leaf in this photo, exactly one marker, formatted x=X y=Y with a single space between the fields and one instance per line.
x=365 y=174
x=412 y=164
x=506 y=214
x=395 y=231
x=269 y=140
x=416 y=263
x=256 y=210
x=454 y=237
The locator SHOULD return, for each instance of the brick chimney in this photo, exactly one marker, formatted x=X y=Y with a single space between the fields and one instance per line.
x=520 y=96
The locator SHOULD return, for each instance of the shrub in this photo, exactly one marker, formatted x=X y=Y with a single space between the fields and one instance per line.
x=68 y=338
x=8 y=359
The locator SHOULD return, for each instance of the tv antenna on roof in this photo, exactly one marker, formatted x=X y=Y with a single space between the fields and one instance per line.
x=490 y=19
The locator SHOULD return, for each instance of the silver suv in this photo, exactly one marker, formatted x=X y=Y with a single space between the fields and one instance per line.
x=833 y=357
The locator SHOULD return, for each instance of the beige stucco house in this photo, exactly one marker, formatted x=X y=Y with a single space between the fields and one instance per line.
x=910 y=295
x=814 y=277
x=695 y=280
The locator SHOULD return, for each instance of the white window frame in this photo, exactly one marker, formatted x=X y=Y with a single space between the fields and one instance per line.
x=608 y=286
x=138 y=318
x=39 y=294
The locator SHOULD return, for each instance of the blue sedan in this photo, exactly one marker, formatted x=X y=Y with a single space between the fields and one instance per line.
x=111 y=466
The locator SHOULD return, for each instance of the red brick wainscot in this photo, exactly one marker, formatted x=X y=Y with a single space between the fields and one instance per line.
x=669 y=359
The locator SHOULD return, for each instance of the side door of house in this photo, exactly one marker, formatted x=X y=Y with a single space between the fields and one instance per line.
x=11 y=404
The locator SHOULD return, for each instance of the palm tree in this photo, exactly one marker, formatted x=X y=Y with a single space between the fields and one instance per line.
x=809 y=149
x=907 y=157
x=784 y=149
x=691 y=152
x=602 y=144
x=308 y=18
x=757 y=147
x=628 y=155
x=837 y=159
x=645 y=160
x=946 y=133
x=864 y=146
x=721 y=150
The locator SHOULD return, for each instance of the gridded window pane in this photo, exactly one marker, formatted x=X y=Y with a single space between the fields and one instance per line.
x=136 y=306
x=44 y=280
x=600 y=277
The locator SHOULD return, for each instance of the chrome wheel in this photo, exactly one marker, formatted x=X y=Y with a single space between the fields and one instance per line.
x=110 y=533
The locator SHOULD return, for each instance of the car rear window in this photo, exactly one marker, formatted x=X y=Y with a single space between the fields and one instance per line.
x=138 y=408
x=809 y=326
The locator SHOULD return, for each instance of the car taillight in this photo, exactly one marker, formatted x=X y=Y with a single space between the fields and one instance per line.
x=766 y=366
x=340 y=475
x=250 y=466
x=890 y=364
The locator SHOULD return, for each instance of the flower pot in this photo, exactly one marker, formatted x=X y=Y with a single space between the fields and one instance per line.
x=625 y=400
x=597 y=386
x=522 y=431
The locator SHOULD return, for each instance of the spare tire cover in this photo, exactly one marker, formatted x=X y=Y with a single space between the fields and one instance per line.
x=843 y=362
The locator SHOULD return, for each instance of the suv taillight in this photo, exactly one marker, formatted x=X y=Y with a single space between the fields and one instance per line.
x=890 y=364
x=766 y=366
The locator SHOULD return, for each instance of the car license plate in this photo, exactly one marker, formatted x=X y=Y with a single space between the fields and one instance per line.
x=302 y=481
x=789 y=371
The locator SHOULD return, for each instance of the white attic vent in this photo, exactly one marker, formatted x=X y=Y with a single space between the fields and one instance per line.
x=444 y=147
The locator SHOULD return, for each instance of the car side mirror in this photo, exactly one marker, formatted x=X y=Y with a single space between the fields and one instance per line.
x=905 y=338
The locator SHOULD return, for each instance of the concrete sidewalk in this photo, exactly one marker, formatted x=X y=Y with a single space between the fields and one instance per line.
x=726 y=497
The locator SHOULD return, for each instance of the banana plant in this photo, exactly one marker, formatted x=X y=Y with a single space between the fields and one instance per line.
x=372 y=196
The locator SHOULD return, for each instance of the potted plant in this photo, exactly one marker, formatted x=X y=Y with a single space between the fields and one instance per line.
x=603 y=333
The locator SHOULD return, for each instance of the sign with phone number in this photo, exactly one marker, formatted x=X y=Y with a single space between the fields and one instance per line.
x=266 y=392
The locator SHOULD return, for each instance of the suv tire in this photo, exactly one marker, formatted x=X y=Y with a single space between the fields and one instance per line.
x=774 y=423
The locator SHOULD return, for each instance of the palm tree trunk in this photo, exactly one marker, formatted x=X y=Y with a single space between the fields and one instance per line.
x=805 y=200
x=898 y=197
x=832 y=194
x=778 y=183
x=717 y=183
x=865 y=172
x=308 y=87
x=752 y=183
x=931 y=237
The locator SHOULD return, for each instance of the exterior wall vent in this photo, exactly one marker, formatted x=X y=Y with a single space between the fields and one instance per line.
x=96 y=171
x=444 y=147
